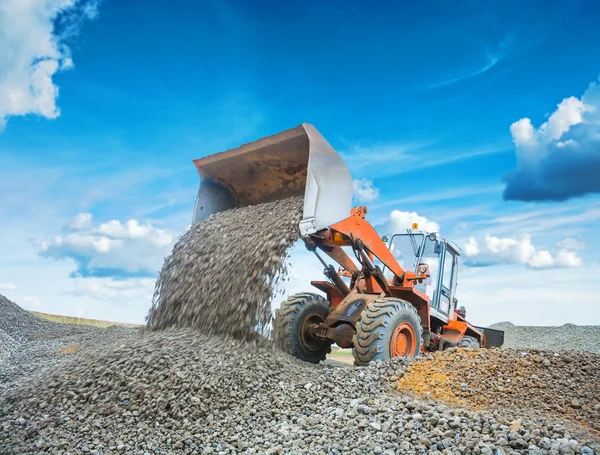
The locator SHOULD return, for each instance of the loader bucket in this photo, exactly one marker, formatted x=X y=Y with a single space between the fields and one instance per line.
x=295 y=162
x=493 y=338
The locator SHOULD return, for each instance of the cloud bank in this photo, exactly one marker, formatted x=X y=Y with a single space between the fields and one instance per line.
x=112 y=249
x=113 y=290
x=33 y=36
x=399 y=221
x=497 y=250
x=560 y=159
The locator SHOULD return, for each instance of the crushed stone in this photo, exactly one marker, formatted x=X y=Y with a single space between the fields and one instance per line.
x=19 y=324
x=7 y=345
x=183 y=392
x=562 y=338
x=30 y=345
x=219 y=278
x=564 y=385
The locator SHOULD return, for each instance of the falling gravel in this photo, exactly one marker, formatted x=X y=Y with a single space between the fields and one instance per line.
x=219 y=277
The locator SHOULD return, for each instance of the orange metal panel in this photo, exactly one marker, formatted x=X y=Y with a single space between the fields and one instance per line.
x=356 y=227
x=458 y=326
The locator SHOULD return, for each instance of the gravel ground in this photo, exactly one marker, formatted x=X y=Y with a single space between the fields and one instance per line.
x=29 y=345
x=219 y=277
x=564 y=338
x=182 y=392
x=7 y=346
x=564 y=385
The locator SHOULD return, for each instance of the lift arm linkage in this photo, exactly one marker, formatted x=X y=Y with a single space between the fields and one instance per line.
x=358 y=233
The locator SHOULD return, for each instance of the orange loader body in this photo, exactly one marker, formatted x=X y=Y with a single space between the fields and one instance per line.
x=369 y=285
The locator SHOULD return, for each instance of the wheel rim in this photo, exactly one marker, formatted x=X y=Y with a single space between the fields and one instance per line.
x=404 y=340
x=308 y=332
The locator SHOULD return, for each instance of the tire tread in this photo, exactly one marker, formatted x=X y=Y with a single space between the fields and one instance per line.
x=285 y=321
x=373 y=325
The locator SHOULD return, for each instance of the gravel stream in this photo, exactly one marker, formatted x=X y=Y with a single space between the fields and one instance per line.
x=220 y=276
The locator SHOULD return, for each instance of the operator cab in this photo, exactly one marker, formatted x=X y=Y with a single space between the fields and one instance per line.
x=414 y=249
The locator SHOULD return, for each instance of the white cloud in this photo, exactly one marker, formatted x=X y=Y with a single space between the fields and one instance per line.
x=364 y=190
x=399 y=221
x=565 y=258
x=498 y=250
x=109 y=289
x=569 y=112
x=471 y=248
x=132 y=229
x=570 y=244
x=522 y=131
x=560 y=159
x=31 y=53
x=80 y=222
x=113 y=248
x=7 y=287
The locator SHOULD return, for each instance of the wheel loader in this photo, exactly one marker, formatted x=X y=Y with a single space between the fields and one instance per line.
x=391 y=295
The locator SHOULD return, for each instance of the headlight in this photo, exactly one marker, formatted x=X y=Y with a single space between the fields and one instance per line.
x=423 y=268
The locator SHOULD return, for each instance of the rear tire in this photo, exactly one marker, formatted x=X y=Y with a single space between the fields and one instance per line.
x=291 y=327
x=469 y=342
x=389 y=327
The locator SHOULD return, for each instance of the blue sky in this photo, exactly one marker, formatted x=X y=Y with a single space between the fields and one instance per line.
x=478 y=118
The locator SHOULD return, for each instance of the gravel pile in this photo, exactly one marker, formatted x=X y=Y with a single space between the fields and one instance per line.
x=563 y=385
x=182 y=392
x=7 y=346
x=29 y=345
x=563 y=338
x=19 y=324
x=219 y=277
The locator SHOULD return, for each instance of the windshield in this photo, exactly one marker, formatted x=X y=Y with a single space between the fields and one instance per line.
x=405 y=248
x=431 y=257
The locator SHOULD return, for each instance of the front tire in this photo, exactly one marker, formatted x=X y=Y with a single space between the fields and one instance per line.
x=292 y=327
x=389 y=327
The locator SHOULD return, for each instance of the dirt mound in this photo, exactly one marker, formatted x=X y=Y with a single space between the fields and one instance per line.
x=219 y=277
x=531 y=382
x=563 y=338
